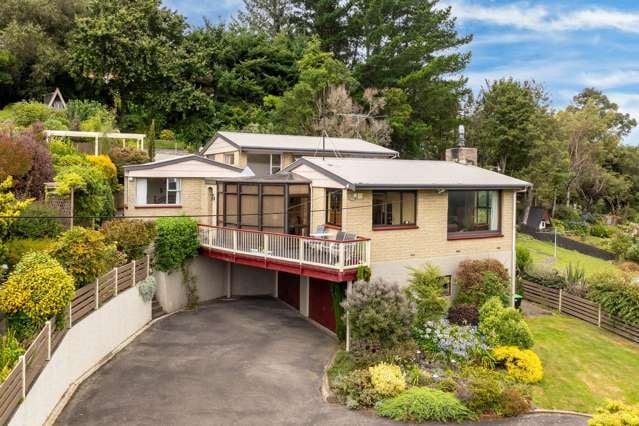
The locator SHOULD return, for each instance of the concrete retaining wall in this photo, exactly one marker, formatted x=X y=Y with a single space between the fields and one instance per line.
x=84 y=345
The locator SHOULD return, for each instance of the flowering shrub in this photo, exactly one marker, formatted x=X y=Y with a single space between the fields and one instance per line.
x=503 y=326
x=131 y=237
x=616 y=413
x=387 y=379
x=450 y=341
x=104 y=163
x=36 y=290
x=522 y=364
x=85 y=254
x=380 y=313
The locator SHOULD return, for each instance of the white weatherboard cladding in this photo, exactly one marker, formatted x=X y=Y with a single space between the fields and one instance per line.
x=219 y=146
x=317 y=178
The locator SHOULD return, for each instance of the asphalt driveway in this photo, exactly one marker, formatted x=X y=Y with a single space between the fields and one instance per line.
x=249 y=361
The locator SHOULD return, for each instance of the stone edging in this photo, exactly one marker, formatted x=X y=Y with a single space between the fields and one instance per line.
x=57 y=410
x=571 y=413
x=325 y=388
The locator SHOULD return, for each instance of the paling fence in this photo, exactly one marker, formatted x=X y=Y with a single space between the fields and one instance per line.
x=87 y=299
x=581 y=308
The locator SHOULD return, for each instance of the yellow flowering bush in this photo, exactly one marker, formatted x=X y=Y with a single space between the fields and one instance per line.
x=38 y=287
x=616 y=413
x=104 y=163
x=85 y=254
x=522 y=364
x=387 y=379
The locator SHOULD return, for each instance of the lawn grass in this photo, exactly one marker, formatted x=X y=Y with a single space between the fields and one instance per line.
x=543 y=252
x=342 y=365
x=583 y=365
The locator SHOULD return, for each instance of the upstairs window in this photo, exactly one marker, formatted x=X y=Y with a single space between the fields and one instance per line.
x=334 y=207
x=394 y=208
x=158 y=191
x=229 y=158
x=474 y=212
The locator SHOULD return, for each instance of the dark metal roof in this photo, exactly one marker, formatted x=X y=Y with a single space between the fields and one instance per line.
x=181 y=159
x=281 y=177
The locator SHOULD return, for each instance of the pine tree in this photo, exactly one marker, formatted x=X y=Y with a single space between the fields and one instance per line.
x=270 y=16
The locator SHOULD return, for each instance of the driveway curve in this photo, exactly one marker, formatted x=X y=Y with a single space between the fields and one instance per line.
x=252 y=361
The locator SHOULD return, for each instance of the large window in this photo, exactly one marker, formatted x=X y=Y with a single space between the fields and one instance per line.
x=394 y=208
x=473 y=212
x=334 y=207
x=264 y=164
x=158 y=191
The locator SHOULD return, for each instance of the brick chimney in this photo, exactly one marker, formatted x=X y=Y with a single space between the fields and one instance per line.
x=461 y=153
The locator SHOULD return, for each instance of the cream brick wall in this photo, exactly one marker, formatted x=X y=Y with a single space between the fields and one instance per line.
x=194 y=201
x=393 y=251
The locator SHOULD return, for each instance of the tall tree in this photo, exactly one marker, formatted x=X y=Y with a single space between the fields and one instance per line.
x=413 y=45
x=329 y=20
x=507 y=122
x=269 y=16
x=32 y=36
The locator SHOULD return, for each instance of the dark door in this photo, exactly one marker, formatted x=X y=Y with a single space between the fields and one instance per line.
x=288 y=289
x=320 y=303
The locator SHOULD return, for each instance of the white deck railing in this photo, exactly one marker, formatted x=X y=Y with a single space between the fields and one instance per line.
x=333 y=254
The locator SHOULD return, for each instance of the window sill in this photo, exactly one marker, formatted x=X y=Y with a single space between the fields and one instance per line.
x=158 y=206
x=474 y=235
x=331 y=226
x=394 y=227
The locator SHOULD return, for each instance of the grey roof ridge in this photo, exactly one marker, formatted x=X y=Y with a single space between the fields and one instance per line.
x=178 y=160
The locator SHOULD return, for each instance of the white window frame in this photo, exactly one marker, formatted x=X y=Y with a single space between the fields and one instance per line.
x=276 y=166
x=142 y=187
x=229 y=158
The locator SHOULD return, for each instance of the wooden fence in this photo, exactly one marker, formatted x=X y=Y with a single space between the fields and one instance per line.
x=581 y=308
x=87 y=299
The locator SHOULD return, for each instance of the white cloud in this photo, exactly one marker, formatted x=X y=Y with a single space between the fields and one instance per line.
x=610 y=79
x=543 y=19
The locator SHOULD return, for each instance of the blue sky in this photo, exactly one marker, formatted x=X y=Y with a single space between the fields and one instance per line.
x=565 y=45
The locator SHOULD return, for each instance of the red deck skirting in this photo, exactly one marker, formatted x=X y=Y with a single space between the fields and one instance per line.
x=278 y=265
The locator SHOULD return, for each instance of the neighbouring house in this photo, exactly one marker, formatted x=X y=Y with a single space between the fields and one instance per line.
x=175 y=187
x=55 y=100
x=538 y=219
x=297 y=231
x=266 y=154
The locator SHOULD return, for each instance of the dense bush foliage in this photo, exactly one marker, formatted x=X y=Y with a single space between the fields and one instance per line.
x=601 y=231
x=491 y=392
x=545 y=276
x=524 y=259
x=355 y=389
x=616 y=413
x=522 y=364
x=35 y=291
x=620 y=244
x=85 y=254
x=425 y=289
x=37 y=221
x=17 y=248
x=131 y=237
x=503 y=326
x=10 y=352
x=451 y=342
x=616 y=296
x=463 y=314
x=404 y=354
x=123 y=156
x=479 y=280
x=424 y=404
x=10 y=206
x=28 y=113
x=387 y=379
x=379 y=312
x=176 y=242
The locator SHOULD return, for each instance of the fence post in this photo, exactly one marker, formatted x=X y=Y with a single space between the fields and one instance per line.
x=599 y=317
x=560 y=298
x=49 y=341
x=301 y=249
x=265 y=245
x=70 y=314
x=115 y=284
x=23 y=360
x=134 y=281
x=97 y=293
x=148 y=265
x=340 y=259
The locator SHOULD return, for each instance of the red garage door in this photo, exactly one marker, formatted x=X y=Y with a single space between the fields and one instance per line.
x=320 y=303
x=288 y=289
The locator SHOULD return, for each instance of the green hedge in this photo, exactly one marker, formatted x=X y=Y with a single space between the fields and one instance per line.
x=176 y=242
